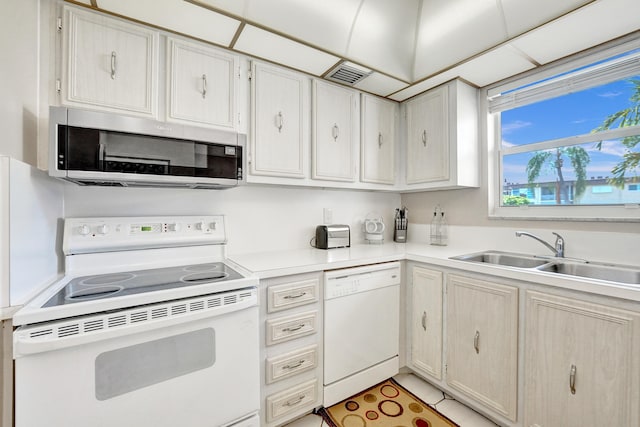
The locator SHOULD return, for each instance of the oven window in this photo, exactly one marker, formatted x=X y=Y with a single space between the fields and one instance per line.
x=131 y=368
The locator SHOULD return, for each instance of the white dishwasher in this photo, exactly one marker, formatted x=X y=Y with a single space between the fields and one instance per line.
x=361 y=328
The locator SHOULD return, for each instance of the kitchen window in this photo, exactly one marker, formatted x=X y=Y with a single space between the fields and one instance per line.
x=567 y=139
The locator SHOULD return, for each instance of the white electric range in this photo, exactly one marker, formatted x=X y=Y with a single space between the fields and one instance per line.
x=150 y=326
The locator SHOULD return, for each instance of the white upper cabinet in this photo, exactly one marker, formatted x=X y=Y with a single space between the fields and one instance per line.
x=428 y=137
x=203 y=85
x=442 y=138
x=377 y=161
x=279 y=122
x=109 y=64
x=334 y=132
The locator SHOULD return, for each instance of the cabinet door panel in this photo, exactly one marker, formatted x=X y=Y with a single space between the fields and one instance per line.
x=279 y=134
x=428 y=137
x=110 y=64
x=594 y=344
x=482 y=342
x=426 y=321
x=378 y=140
x=202 y=85
x=334 y=115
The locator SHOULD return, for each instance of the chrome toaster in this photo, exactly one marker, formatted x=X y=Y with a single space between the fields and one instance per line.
x=333 y=236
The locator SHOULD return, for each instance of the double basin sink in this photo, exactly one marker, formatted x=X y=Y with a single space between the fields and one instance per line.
x=592 y=270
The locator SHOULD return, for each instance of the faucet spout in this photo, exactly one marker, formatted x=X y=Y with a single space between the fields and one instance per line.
x=558 y=250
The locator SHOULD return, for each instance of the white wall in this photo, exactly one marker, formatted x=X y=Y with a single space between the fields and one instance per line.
x=19 y=78
x=259 y=218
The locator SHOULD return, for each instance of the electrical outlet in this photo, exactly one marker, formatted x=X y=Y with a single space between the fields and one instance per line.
x=327 y=216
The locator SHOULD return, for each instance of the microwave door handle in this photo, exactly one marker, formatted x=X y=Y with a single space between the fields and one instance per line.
x=101 y=155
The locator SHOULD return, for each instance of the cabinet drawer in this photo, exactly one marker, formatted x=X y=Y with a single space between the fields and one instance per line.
x=287 y=328
x=281 y=404
x=287 y=365
x=281 y=297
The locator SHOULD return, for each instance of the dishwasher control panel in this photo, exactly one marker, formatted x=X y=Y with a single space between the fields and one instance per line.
x=348 y=281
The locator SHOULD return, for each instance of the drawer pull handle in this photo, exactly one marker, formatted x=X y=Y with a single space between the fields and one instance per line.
x=379 y=139
x=113 y=65
x=572 y=379
x=476 y=342
x=424 y=138
x=204 y=86
x=294 y=365
x=293 y=328
x=335 y=132
x=279 y=121
x=294 y=402
x=300 y=295
x=424 y=320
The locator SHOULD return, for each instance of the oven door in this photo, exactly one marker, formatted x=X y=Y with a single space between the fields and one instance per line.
x=188 y=363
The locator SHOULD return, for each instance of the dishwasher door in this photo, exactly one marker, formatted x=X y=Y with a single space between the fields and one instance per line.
x=361 y=325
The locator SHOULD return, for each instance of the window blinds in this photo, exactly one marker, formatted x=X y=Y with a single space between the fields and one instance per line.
x=585 y=78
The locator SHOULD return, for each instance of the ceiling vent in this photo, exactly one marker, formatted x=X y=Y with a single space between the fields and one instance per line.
x=347 y=73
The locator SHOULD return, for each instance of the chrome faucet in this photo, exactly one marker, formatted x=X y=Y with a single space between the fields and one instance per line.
x=558 y=250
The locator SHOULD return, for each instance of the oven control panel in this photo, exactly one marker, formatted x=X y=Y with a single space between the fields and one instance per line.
x=89 y=235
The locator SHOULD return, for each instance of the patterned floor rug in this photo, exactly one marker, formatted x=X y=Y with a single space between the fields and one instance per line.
x=386 y=404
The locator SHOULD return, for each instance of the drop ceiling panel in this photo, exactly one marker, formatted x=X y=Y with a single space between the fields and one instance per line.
x=179 y=16
x=453 y=30
x=380 y=84
x=384 y=36
x=263 y=44
x=580 y=30
x=483 y=70
x=524 y=15
x=326 y=24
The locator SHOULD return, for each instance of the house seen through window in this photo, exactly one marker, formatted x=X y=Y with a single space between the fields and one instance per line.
x=572 y=139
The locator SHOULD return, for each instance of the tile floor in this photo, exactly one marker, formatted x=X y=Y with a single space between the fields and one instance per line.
x=446 y=405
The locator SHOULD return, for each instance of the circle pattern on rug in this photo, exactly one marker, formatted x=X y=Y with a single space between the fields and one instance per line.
x=353 y=420
x=370 y=398
x=390 y=408
x=421 y=422
x=372 y=415
x=389 y=391
x=415 y=408
x=351 y=406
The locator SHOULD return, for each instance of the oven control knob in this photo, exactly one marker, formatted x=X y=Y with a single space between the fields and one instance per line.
x=103 y=229
x=200 y=225
x=84 y=230
x=213 y=225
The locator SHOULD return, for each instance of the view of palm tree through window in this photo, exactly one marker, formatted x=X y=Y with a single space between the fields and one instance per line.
x=579 y=148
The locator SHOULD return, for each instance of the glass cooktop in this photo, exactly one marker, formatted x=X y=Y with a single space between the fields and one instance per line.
x=88 y=288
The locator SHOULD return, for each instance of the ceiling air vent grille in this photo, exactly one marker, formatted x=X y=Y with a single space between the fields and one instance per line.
x=347 y=74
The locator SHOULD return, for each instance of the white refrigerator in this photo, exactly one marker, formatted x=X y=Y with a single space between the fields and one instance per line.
x=31 y=214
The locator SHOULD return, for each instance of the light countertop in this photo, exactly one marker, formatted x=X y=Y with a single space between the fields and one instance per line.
x=283 y=263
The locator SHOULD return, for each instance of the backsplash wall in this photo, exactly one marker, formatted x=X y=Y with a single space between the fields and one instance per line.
x=259 y=218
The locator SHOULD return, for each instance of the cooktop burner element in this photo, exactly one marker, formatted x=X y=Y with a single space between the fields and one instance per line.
x=134 y=282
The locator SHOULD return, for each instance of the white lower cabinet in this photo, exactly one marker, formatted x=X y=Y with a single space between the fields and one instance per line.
x=582 y=364
x=482 y=342
x=426 y=321
x=291 y=347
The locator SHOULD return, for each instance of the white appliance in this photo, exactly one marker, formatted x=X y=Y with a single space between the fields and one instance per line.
x=361 y=328
x=151 y=326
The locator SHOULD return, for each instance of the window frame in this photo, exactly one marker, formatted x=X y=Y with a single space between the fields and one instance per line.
x=614 y=213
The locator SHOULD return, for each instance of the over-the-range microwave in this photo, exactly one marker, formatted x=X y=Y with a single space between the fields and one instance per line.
x=96 y=148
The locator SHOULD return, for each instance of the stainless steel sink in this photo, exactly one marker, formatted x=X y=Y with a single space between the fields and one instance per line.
x=591 y=270
x=610 y=272
x=504 y=258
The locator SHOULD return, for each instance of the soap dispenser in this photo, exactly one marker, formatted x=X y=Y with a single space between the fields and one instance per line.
x=444 y=231
x=435 y=227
